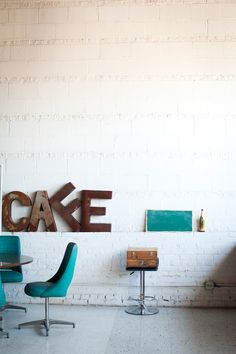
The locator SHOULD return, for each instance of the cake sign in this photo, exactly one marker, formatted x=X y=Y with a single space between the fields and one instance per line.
x=42 y=209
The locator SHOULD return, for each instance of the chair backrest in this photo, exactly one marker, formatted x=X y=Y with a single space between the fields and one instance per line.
x=10 y=244
x=64 y=275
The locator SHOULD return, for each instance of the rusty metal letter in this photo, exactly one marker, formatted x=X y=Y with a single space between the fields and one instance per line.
x=8 y=199
x=42 y=210
x=66 y=211
x=87 y=211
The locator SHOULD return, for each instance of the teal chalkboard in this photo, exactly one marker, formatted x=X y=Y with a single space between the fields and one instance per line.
x=168 y=220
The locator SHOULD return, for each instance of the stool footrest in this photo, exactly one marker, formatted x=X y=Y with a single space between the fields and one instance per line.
x=146 y=298
x=142 y=308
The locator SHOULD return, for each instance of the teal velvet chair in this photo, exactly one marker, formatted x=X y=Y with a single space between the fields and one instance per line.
x=11 y=244
x=56 y=286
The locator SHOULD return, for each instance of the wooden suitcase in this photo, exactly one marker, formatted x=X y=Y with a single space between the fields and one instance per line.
x=142 y=257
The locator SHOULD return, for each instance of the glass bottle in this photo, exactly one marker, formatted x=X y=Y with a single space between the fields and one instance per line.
x=202 y=224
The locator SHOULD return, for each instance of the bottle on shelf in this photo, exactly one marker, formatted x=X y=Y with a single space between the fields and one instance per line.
x=202 y=224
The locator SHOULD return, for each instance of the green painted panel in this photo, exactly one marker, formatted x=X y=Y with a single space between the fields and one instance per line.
x=168 y=220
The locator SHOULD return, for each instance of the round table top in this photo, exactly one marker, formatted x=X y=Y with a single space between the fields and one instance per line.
x=9 y=260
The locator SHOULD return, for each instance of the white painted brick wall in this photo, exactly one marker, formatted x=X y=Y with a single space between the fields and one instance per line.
x=137 y=97
x=186 y=261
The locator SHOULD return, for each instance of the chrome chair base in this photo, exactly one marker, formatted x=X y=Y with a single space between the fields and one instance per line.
x=14 y=307
x=46 y=322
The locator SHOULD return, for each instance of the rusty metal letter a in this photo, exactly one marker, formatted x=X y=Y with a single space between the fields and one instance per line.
x=66 y=211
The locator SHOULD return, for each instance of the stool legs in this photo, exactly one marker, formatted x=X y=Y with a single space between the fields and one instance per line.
x=142 y=308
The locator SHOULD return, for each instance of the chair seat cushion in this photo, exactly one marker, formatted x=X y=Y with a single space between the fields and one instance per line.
x=36 y=289
x=11 y=276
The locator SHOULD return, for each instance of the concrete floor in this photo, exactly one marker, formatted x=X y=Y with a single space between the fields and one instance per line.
x=109 y=330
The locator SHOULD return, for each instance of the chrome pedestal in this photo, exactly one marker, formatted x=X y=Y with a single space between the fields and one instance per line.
x=46 y=322
x=2 y=332
x=142 y=308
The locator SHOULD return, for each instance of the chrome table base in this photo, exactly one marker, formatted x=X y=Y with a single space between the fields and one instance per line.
x=8 y=307
x=142 y=309
x=2 y=332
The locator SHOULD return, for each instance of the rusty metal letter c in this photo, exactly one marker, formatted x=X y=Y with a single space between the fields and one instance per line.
x=7 y=220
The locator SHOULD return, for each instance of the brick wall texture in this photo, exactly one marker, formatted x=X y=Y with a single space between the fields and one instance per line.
x=133 y=96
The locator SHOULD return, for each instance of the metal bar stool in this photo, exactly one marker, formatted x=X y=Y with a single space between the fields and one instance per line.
x=142 y=308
